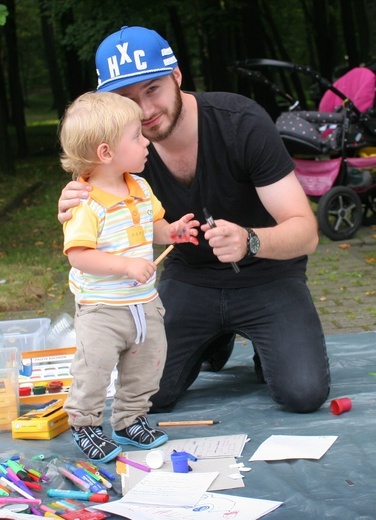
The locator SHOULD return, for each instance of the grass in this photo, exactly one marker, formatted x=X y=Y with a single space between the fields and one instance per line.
x=31 y=236
x=32 y=264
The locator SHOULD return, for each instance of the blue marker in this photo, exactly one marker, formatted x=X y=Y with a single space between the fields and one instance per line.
x=95 y=486
x=106 y=473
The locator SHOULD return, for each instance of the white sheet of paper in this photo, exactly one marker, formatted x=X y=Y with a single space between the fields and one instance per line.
x=170 y=489
x=212 y=506
x=284 y=447
x=208 y=447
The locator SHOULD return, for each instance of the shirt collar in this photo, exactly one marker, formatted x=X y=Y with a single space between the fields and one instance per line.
x=108 y=199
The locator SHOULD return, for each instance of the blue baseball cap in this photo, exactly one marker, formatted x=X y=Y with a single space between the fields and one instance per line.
x=131 y=55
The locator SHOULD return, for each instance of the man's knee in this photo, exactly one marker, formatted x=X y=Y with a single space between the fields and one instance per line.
x=305 y=399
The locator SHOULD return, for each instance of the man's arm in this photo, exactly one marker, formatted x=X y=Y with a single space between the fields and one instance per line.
x=70 y=197
x=294 y=235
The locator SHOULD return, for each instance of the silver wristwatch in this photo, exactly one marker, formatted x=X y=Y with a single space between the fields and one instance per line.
x=253 y=243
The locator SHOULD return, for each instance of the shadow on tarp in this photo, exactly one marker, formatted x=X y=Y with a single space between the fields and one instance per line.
x=341 y=485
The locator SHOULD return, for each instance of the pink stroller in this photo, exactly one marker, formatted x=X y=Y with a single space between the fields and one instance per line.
x=334 y=148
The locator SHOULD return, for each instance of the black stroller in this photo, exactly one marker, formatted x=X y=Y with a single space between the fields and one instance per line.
x=334 y=148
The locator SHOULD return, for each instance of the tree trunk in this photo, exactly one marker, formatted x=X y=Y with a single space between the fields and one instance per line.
x=15 y=88
x=295 y=79
x=6 y=155
x=184 y=59
x=255 y=47
x=349 y=35
x=75 y=77
x=323 y=27
x=59 y=97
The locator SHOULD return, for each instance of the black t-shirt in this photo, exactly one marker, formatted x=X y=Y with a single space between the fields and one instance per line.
x=238 y=149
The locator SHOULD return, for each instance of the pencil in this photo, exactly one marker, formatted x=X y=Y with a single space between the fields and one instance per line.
x=165 y=253
x=187 y=423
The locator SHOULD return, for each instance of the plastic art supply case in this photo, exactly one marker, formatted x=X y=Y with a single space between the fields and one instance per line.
x=9 y=399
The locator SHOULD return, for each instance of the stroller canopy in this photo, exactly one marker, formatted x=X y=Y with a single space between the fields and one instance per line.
x=359 y=84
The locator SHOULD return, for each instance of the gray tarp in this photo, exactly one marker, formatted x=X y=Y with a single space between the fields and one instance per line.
x=341 y=485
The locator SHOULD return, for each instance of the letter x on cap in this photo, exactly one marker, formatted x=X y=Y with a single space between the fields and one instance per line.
x=131 y=55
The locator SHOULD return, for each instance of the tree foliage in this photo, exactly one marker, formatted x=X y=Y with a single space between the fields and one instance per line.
x=55 y=43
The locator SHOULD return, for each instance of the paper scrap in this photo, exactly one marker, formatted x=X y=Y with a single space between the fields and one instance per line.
x=284 y=447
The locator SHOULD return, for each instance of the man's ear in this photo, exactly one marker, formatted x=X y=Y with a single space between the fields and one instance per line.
x=177 y=75
x=104 y=153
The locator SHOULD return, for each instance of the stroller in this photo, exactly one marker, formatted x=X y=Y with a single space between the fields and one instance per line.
x=334 y=148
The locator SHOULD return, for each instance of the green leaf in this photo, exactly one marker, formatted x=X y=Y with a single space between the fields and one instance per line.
x=3 y=14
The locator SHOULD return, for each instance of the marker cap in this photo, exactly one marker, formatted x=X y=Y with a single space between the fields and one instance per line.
x=99 y=497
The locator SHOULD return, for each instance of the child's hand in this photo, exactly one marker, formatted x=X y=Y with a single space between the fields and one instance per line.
x=140 y=269
x=184 y=230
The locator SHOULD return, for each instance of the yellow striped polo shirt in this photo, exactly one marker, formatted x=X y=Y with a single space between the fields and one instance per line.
x=115 y=226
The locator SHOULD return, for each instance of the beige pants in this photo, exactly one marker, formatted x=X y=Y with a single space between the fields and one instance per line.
x=106 y=339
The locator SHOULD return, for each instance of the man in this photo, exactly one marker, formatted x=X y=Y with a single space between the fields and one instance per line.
x=221 y=151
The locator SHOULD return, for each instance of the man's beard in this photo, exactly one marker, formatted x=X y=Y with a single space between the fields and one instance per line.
x=155 y=135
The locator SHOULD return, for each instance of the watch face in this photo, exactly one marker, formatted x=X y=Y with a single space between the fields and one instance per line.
x=254 y=244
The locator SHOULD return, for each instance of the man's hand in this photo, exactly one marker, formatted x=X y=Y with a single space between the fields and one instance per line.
x=228 y=240
x=70 y=197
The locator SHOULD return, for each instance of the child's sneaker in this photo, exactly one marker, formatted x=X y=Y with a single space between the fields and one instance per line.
x=140 y=434
x=96 y=446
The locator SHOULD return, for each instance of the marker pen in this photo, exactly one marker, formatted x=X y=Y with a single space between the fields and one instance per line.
x=35 y=511
x=33 y=478
x=16 y=500
x=33 y=485
x=107 y=484
x=13 y=486
x=10 y=475
x=78 y=495
x=18 y=469
x=134 y=464
x=95 y=487
x=86 y=465
x=96 y=476
x=52 y=515
x=89 y=472
x=48 y=509
x=4 y=488
x=64 y=504
x=209 y=219
x=56 y=505
x=106 y=473
x=83 y=486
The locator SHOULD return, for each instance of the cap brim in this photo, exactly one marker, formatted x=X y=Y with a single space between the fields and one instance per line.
x=121 y=82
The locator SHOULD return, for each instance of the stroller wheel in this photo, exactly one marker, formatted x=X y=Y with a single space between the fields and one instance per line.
x=340 y=213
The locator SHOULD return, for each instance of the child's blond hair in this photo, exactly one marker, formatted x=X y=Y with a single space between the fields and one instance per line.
x=92 y=119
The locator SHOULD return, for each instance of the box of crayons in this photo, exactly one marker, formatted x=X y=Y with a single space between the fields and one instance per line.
x=44 y=422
